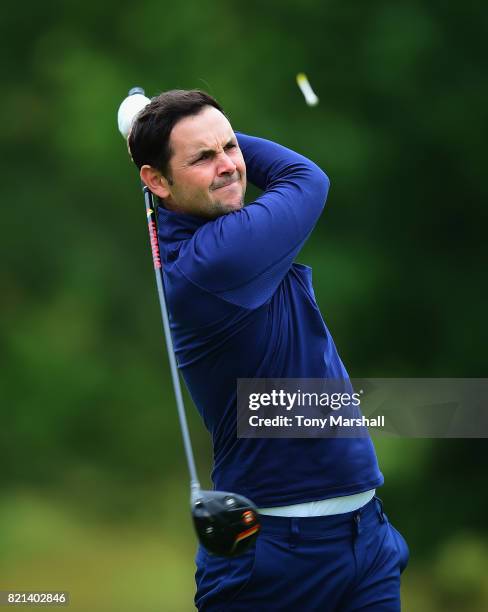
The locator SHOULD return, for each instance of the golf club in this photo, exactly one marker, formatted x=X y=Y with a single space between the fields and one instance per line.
x=227 y=524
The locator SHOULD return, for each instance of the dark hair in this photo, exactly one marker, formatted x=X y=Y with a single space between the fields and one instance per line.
x=151 y=130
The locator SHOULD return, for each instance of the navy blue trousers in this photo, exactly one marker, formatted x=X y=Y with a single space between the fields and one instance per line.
x=342 y=563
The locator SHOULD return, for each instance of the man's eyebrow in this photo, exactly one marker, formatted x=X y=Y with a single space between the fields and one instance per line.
x=199 y=152
x=203 y=150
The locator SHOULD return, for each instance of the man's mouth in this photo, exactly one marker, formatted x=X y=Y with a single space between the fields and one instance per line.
x=226 y=184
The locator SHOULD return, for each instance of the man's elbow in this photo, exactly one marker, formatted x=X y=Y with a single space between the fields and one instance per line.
x=321 y=185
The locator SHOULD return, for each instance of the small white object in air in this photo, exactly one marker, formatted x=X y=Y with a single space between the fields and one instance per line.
x=128 y=110
x=307 y=91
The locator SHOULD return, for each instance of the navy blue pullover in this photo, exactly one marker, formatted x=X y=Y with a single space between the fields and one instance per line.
x=240 y=308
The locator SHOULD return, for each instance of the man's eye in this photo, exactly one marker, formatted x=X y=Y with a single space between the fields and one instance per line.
x=202 y=157
x=230 y=146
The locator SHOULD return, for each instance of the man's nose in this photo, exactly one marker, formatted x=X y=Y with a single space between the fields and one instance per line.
x=225 y=165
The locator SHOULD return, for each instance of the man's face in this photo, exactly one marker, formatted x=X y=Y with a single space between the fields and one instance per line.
x=207 y=173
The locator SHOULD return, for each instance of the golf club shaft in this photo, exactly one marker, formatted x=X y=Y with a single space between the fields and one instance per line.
x=153 y=238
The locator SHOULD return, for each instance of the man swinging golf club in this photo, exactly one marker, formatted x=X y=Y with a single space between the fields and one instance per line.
x=240 y=308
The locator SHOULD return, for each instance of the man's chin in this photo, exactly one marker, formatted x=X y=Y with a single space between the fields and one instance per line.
x=233 y=205
x=230 y=201
x=220 y=208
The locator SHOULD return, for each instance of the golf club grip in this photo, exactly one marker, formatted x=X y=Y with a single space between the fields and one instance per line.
x=158 y=269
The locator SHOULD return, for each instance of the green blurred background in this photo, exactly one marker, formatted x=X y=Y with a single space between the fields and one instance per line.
x=93 y=482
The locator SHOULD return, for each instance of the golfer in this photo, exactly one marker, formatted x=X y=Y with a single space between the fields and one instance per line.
x=240 y=308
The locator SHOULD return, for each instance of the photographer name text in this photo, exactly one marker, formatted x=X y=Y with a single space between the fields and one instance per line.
x=320 y=423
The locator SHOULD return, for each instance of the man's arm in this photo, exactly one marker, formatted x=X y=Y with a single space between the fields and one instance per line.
x=243 y=256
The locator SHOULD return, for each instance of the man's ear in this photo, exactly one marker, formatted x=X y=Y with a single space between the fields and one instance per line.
x=156 y=182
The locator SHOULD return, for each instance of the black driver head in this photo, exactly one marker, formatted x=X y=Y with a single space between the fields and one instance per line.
x=226 y=524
